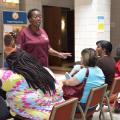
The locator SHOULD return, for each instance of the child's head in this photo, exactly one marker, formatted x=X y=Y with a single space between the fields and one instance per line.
x=9 y=40
x=9 y=43
x=88 y=57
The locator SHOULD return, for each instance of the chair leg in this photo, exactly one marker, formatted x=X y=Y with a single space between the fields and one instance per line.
x=109 y=108
x=82 y=113
x=101 y=113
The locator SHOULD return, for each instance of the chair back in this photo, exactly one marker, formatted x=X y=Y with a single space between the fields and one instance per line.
x=65 y=110
x=115 y=88
x=96 y=96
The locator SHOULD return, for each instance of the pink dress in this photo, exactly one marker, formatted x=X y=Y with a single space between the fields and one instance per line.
x=25 y=101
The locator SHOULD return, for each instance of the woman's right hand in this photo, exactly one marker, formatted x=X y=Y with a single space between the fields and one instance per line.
x=64 y=82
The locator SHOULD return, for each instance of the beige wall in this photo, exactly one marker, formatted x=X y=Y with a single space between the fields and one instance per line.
x=59 y=3
x=115 y=24
x=30 y=4
x=26 y=5
x=86 y=22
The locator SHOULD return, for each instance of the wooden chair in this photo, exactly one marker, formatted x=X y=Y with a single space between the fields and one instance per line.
x=115 y=89
x=62 y=111
x=95 y=97
x=65 y=110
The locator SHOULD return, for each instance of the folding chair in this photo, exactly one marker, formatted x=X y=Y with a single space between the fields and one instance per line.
x=65 y=110
x=115 y=89
x=95 y=97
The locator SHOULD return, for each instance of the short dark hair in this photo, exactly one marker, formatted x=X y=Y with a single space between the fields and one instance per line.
x=105 y=45
x=29 y=15
x=89 y=57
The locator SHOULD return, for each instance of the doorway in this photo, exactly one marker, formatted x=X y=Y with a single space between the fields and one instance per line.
x=59 y=24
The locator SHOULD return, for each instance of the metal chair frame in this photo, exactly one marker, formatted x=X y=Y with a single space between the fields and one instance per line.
x=95 y=97
x=115 y=89
x=65 y=110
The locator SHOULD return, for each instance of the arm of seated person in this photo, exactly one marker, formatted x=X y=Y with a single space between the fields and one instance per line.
x=73 y=81
x=0 y=83
x=75 y=69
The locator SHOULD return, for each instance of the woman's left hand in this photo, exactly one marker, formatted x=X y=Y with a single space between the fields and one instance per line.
x=64 y=55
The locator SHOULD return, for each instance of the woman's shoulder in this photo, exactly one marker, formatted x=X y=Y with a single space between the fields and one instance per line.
x=23 y=30
x=98 y=70
x=81 y=72
x=5 y=72
x=42 y=31
x=95 y=69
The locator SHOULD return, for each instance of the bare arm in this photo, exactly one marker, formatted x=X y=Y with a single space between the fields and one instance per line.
x=71 y=82
x=63 y=55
